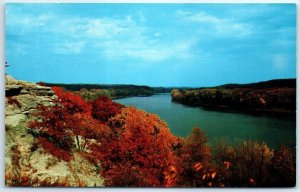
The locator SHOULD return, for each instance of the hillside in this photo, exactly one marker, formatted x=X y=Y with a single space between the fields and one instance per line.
x=275 y=96
x=26 y=162
x=275 y=83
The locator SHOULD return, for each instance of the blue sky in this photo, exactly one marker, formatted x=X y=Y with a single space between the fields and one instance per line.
x=151 y=44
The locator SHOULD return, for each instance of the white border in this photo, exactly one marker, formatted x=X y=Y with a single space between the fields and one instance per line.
x=2 y=93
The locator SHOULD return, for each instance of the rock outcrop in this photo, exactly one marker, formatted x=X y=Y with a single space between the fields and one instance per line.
x=26 y=163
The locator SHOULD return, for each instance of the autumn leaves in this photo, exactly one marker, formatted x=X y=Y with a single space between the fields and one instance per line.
x=130 y=147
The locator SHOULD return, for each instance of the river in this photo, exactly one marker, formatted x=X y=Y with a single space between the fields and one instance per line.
x=217 y=125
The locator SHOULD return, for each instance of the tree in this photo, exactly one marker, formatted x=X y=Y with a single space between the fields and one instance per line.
x=139 y=152
x=194 y=158
x=64 y=124
x=104 y=108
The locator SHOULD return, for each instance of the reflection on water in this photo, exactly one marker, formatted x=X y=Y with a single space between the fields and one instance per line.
x=217 y=124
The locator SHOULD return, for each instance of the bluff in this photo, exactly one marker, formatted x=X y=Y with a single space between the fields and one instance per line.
x=26 y=162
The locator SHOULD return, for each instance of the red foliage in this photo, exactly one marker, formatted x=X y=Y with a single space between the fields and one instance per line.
x=71 y=102
x=139 y=151
x=56 y=151
x=68 y=118
x=104 y=108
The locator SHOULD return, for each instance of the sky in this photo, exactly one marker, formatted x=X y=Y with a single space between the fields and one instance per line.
x=167 y=45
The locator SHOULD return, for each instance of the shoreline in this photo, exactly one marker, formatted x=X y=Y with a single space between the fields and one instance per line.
x=252 y=111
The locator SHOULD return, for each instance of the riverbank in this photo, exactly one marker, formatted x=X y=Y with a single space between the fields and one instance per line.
x=276 y=97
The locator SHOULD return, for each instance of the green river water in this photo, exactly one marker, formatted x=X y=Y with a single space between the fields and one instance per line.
x=218 y=124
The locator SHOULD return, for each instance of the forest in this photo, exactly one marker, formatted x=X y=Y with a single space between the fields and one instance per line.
x=132 y=148
x=114 y=91
x=275 y=96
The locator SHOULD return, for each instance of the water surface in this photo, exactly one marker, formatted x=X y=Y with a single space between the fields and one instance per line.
x=217 y=124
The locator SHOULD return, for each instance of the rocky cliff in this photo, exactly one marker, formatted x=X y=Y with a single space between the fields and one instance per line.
x=26 y=163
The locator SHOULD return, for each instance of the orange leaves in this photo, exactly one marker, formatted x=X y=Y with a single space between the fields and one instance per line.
x=70 y=102
x=65 y=124
x=54 y=150
x=136 y=148
x=213 y=174
x=140 y=147
x=208 y=176
x=194 y=156
x=198 y=166
x=170 y=176
x=103 y=108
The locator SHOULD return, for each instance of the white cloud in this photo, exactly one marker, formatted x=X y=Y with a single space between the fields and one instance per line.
x=115 y=37
x=69 y=47
x=24 y=23
x=218 y=25
x=144 y=48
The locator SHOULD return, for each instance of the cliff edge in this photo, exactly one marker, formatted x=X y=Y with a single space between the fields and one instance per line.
x=26 y=163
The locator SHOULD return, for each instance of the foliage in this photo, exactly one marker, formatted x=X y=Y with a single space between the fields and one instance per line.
x=133 y=148
x=266 y=96
x=255 y=164
x=194 y=157
x=65 y=122
x=56 y=151
x=104 y=108
x=139 y=152
x=93 y=91
x=283 y=168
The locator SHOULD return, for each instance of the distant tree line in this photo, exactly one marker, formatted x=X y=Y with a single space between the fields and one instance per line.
x=271 y=96
x=114 y=91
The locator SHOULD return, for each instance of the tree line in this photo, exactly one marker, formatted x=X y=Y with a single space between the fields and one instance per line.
x=276 y=96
